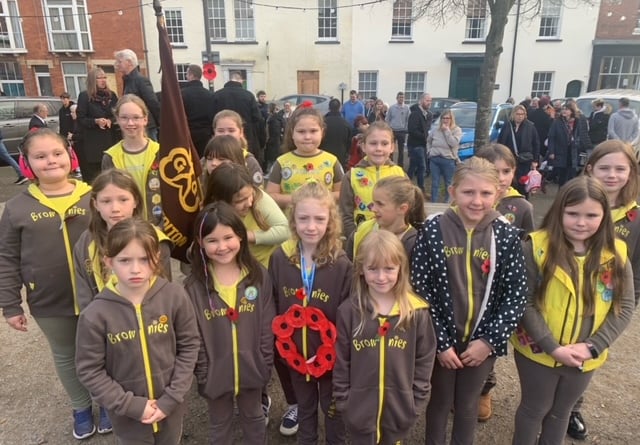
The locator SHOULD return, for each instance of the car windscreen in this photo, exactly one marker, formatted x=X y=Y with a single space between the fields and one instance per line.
x=465 y=117
x=586 y=107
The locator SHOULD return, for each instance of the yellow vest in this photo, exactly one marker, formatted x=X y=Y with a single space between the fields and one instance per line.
x=563 y=305
x=295 y=170
x=262 y=252
x=363 y=179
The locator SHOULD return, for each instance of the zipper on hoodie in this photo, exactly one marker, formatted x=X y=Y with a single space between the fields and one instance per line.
x=236 y=365
x=467 y=325
x=381 y=321
x=69 y=251
x=305 y=349
x=145 y=357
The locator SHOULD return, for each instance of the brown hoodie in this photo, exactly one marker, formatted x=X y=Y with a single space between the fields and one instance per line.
x=114 y=336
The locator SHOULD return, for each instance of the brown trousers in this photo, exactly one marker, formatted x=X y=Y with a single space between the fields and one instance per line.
x=251 y=418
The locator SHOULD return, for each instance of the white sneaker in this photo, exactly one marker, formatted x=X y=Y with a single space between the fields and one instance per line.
x=289 y=424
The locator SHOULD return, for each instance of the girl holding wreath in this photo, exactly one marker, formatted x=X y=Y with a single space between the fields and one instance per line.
x=312 y=277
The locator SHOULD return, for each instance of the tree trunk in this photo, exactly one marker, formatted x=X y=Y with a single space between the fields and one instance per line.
x=493 y=48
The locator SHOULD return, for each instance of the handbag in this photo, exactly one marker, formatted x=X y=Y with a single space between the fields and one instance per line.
x=526 y=156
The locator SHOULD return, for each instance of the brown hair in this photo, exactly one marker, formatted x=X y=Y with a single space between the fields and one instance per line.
x=224 y=147
x=92 y=82
x=495 y=151
x=131 y=229
x=402 y=191
x=299 y=113
x=628 y=193
x=560 y=251
x=131 y=98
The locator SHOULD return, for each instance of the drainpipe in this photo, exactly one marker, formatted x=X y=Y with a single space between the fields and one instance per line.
x=207 y=34
x=513 y=53
x=144 y=38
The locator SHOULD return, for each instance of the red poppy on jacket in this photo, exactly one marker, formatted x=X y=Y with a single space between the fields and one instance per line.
x=383 y=329
x=232 y=314
x=631 y=215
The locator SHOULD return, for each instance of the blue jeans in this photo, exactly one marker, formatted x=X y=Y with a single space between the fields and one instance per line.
x=4 y=155
x=417 y=165
x=445 y=167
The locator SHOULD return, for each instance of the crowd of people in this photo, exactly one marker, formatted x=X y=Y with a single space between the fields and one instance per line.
x=369 y=311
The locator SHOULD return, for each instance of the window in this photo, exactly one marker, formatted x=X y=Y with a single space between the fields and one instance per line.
x=75 y=77
x=173 y=20
x=550 y=18
x=243 y=13
x=368 y=84
x=11 y=79
x=619 y=72
x=476 y=20
x=327 y=19
x=541 y=83
x=217 y=20
x=636 y=30
x=10 y=26
x=181 y=71
x=401 y=22
x=414 y=86
x=68 y=25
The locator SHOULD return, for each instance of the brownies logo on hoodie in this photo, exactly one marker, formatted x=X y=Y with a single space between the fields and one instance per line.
x=159 y=326
x=317 y=294
x=392 y=342
x=70 y=213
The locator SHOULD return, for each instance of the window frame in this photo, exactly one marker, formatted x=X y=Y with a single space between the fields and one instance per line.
x=74 y=83
x=72 y=18
x=550 y=19
x=363 y=81
x=620 y=73
x=401 y=23
x=10 y=75
x=175 y=26
x=538 y=85
x=328 y=22
x=217 y=20
x=244 y=21
x=181 y=72
x=476 y=21
x=411 y=94
x=11 y=21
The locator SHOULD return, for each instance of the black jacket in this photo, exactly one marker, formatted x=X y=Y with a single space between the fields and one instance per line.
x=418 y=127
x=598 y=124
x=565 y=144
x=65 y=120
x=36 y=122
x=337 y=136
x=136 y=83
x=542 y=122
x=234 y=97
x=96 y=140
x=198 y=105
x=526 y=139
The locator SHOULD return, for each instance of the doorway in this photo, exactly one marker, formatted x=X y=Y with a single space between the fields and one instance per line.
x=308 y=82
x=464 y=80
x=573 y=89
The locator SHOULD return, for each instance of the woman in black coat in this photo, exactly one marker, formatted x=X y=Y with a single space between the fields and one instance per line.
x=96 y=123
x=599 y=121
x=521 y=136
x=569 y=142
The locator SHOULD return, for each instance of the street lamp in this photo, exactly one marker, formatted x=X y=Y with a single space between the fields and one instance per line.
x=342 y=86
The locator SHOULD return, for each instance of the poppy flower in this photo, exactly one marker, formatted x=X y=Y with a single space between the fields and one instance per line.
x=314 y=318
x=295 y=316
x=631 y=215
x=486 y=266
x=326 y=355
x=308 y=167
x=383 y=329
x=606 y=277
x=523 y=180
x=307 y=104
x=232 y=314
x=286 y=347
x=298 y=364
x=300 y=294
x=155 y=165
x=280 y=327
x=328 y=333
x=364 y=181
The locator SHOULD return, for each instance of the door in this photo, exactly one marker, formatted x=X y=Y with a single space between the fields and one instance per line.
x=308 y=82
x=573 y=89
x=467 y=82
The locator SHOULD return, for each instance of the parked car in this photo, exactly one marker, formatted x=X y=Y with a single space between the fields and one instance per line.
x=320 y=102
x=465 y=115
x=439 y=104
x=15 y=114
x=611 y=97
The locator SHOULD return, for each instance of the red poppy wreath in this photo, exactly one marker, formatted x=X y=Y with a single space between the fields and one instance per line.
x=297 y=317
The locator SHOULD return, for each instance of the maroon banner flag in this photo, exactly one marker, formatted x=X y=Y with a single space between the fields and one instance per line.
x=179 y=162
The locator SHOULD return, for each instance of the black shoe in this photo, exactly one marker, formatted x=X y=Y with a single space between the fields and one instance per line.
x=577 y=429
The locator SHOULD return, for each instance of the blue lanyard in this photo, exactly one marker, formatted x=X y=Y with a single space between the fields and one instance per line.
x=307 y=277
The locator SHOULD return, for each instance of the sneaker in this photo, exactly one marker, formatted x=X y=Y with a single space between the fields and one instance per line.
x=104 y=423
x=289 y=424
x=484 y=408
x=266 y=406
x=21 y=180
x=83 y=426
x=577 y=429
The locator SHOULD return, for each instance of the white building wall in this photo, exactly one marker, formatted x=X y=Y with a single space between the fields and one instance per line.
x=286 y=42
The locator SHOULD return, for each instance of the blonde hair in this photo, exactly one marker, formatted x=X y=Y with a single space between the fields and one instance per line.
x=381 y=248
x=131 y=98
x=236 y=118
x=478 y=167
x=452 y=122
x=330 y=245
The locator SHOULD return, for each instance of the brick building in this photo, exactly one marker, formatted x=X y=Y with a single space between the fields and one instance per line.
x=48 y=46
x=616 y=48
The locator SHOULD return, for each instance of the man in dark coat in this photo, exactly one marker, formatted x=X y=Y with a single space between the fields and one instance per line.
x=64 y=116
x=420 y=120
x=39 y=118
x=542 y=122
x=135 y=83
x=337 y=136
x=198 y=105
x=262 y=104
x=234 y=97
